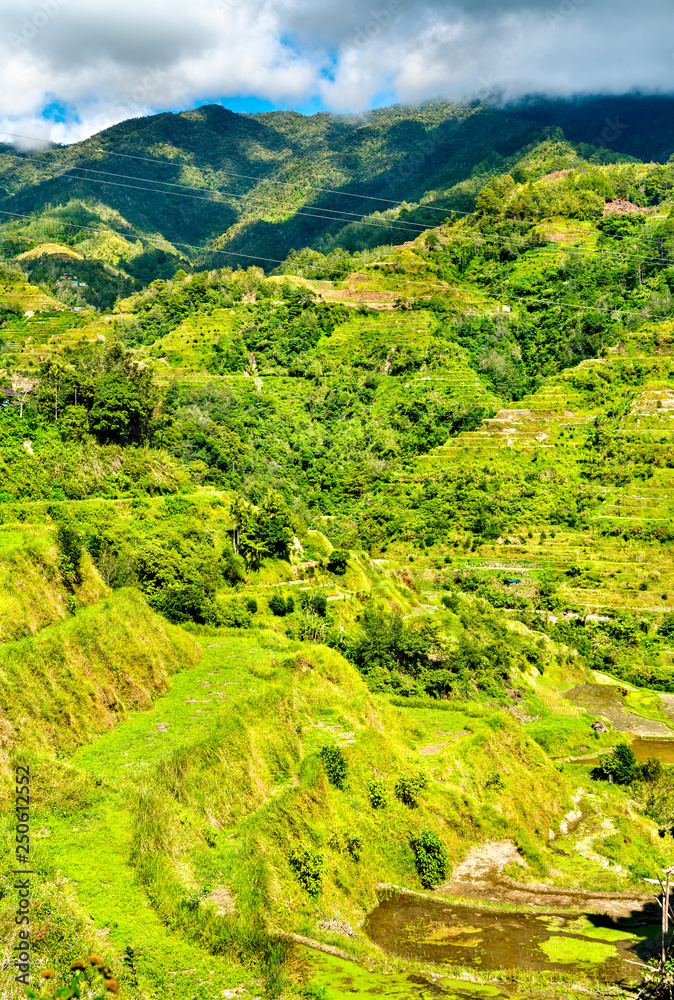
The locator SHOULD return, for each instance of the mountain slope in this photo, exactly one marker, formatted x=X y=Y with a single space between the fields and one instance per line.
x=211 y=178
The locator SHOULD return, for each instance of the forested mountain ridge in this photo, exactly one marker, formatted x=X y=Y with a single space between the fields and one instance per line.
x=175 y=185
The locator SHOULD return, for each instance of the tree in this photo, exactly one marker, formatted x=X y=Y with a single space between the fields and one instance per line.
x=337 y=562
x=120 y=413
x=430 y=858
x=276 y=527
x=619 y=766
x=74 y=423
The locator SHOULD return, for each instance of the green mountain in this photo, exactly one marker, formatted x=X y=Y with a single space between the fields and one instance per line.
x=349 y=573
x=145 y=196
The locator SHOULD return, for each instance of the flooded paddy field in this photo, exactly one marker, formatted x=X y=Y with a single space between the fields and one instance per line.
x=481 y=937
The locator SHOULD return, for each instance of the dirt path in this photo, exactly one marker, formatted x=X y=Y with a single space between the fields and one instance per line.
x=480 y=876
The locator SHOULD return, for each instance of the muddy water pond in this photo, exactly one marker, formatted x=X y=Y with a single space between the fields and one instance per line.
x=447 y=933
x=663 y=750
x=606 y=700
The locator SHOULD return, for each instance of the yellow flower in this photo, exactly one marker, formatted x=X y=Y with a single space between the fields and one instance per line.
x=77 y=964
x=47 y=974
x=112 y=985
x=95 y=960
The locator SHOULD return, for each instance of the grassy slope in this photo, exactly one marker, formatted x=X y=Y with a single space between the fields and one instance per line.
x=175 y=828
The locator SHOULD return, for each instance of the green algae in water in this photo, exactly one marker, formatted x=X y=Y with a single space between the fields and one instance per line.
x=572 y=951
x=344 y=980
x=609 y=934
x=584 y=926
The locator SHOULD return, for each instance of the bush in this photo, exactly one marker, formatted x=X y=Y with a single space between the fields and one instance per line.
x=430 y=858
x=334 y=763
x=619 y=766
x=313 y=992
x=407 y=788
x=251 y=604
x=69 y=542
x=233 y=614
x=667 y=628
x=495 y=782
x=317 y=604
x=232 y=568
x=187 y=604
x=338 y=561
x=277 y=605
x=354 y=846
x=320 y=605
x=651 y=771
x=376 y=789
x=307 y=864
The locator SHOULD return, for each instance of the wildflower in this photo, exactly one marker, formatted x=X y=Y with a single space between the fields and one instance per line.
x=95 y=960
x=47 y=974
x=112 y=985
x=77 y=964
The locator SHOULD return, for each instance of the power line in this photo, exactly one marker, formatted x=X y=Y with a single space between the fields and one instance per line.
x=508 y=240
x=272 y=260
x=388 y=224
x=307 y=187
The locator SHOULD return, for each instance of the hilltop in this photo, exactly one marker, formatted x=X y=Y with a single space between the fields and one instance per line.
x=148 y=196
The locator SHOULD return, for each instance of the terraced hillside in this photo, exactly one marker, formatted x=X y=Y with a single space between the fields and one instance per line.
x=352 y=574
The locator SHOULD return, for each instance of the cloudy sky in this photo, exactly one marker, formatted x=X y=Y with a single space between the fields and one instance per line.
x=71 y=67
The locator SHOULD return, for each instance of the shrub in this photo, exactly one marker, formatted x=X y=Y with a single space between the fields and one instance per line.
x=277 y=605
x=313 y=992
x=376 y=789
x=407 y=788
x=307 y=864
x=354 y=846
x=430 y=858
x=251 y=604
x=233 y=614
x=495 y=782
x=290 y=606
x=338 y=561
x=667 y=628
x=69 y=542
x=651 y=771
x=232 y=568
x=185 y=604
x=334 y=763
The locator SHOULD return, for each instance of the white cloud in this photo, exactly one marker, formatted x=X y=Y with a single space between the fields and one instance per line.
x=107 y=61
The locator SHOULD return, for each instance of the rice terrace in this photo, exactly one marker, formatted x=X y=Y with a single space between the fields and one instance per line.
x=336 y=566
